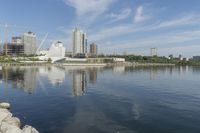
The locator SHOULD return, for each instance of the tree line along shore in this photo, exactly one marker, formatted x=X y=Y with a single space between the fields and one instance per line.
x=134 y=59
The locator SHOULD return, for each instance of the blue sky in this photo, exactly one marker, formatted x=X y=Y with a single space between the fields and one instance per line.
x=117 y=26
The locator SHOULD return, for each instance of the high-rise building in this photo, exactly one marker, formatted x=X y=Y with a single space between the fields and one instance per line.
x=153 y=51
x=93 y=49
x=180 y=57
x=86 y=46
x=79 y=42
x=17 y=40
x=15 y=47
x=29 y=42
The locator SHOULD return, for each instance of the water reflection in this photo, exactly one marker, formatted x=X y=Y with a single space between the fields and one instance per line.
x=56 y=75
x=79 y=83
x=25 y=78
x=93 y=75
x=22 y=78
x=104 y=99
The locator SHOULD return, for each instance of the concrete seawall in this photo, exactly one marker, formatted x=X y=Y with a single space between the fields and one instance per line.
x=82 y=64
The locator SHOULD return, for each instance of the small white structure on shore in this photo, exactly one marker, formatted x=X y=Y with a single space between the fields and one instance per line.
x=75 y=59
x=119 y=60
x=43 y=52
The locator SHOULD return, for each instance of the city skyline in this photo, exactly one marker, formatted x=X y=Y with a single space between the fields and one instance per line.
x=131 y=26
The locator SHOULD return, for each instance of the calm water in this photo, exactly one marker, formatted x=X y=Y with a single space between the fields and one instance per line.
x=104 y=100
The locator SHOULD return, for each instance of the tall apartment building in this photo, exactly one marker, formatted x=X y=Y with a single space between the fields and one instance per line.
x=93 y=49
x=29 y=42
x=79 y=42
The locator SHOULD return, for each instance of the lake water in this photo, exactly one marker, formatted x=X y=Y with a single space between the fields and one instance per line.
x=104 y=99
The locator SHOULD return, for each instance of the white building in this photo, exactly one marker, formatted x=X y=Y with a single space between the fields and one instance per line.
x=79 y=42
x=56 y=50
x=153 y=51
x=118 y=59
x=29 y=42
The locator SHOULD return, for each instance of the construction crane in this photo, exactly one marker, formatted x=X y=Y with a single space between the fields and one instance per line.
x=6 y=26
x=1 y=44
x=6 y=39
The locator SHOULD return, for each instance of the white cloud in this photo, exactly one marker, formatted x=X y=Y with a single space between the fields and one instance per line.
x=123 y=29
x=106 y=33
x=125 y=13
x=179 y=21
x=165 y=41
x=89 y=8
x=139 y=16
x=109 y=32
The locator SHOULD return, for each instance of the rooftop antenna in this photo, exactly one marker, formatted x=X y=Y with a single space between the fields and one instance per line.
x=42 y=42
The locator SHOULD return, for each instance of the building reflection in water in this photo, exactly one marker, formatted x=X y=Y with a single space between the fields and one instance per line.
x=30 y=79
x=80 y=77
x=119 y=69
x=1 y=75
x=153 y=73
x=23 y=77
x=93 y=75
x=56 y=75
x=79 y=83
x=26 y=78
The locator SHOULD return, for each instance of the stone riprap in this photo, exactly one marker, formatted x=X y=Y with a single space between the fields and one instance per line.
x=10 y=124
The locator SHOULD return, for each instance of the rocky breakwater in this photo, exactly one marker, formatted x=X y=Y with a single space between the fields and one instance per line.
x=11 y=124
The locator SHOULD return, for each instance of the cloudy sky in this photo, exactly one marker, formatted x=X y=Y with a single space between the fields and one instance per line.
x=117 y=26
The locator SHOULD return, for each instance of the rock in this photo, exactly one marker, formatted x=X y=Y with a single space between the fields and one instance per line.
x=4 y=114
x=14 y=130
x=5 y=105
x=9 y=124
x=8 y=128
x=4 y=110
x=29 y=129
x=12 y=121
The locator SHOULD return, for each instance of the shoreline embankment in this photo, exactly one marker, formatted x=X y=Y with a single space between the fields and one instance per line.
x=129 y=64
x=87 y=64
x=11 y=124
